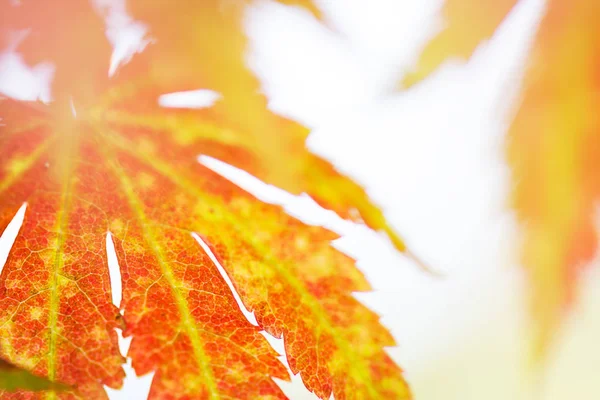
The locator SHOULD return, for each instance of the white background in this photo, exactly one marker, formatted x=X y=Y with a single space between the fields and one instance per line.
x=433 y=158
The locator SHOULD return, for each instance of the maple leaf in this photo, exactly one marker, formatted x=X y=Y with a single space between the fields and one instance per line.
x=103 y=157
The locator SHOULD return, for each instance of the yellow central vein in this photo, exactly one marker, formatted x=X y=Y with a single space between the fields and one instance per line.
x=358 y=370
x=70 y=144
x=187 y=319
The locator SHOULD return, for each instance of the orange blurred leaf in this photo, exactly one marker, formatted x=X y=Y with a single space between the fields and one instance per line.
x=554 y=152
x=554 y=141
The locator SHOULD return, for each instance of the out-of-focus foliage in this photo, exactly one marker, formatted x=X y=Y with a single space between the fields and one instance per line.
x=553 y=142
x=466 y=24
x=554 y=150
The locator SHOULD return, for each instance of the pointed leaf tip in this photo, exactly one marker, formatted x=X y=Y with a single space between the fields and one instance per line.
x=467 y=24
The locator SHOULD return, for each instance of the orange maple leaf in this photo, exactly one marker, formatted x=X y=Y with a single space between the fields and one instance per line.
x=127 y=166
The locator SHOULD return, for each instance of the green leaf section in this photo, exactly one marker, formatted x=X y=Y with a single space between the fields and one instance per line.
x=13 y=378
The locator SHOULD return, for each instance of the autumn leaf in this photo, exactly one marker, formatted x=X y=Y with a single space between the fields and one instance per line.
x=13 y=378
x=466 y=24
x=104 y=157
x=554 y=152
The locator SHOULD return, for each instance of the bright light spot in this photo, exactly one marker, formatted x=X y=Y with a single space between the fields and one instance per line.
x=128 y=37
x=73 y=110
x=201 y=98
x=22 y=82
